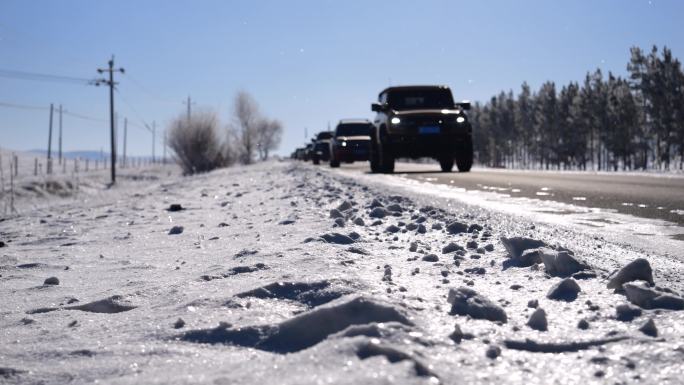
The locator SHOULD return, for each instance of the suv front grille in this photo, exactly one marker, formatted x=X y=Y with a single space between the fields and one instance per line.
x=420 y=120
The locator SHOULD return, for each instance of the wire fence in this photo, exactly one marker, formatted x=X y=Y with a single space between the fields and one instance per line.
x=20 y=175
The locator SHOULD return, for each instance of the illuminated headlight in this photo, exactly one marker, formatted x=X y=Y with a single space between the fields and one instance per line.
x=460 y=119
x=396 y=120
x=344 y=144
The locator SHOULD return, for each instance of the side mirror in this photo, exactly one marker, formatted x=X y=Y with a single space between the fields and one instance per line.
x=377 y=107
x=465 y=105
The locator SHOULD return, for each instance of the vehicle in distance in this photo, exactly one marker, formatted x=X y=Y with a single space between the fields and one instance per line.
x=308 y=152
x=321 y=149
x=299 y=153
x=351 y=141
x=420 y=121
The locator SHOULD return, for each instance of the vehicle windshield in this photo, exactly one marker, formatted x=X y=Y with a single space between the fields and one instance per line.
x=420 y=99
x=353 y=129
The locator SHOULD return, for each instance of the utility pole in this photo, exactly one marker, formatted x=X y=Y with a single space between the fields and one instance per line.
x=124 y=140
x=111 y=83
x=164 y=157
x=116 y=133
x=189 y=103
x=49 y=149
x=60 y=134
x=154 y=129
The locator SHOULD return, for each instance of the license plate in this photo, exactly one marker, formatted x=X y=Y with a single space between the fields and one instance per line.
x=428 y=130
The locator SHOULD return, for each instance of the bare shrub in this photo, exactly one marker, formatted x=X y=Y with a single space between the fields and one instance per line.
x=196 y=143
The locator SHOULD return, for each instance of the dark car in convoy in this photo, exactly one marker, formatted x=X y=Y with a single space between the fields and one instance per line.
x=299 y=153
x=351 y=141
x=420 y=121
x=308 y=152
x=321 y=149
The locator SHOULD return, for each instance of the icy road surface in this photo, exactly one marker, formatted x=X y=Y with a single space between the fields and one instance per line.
x=586 y=202
x=283 y=273
x=647 y=195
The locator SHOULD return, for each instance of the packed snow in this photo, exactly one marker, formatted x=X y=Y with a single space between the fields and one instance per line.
x=291 y=274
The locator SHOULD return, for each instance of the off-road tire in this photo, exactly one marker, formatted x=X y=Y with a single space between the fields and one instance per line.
x=446 y=163
x=374 y=158
x=386 y=159
x=464 y=158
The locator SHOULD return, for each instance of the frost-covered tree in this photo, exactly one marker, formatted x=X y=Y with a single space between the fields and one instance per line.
x=246 y=112
x=269 y=133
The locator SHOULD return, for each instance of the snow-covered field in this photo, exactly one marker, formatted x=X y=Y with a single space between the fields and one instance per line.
x=284 y=273
x=32 y=187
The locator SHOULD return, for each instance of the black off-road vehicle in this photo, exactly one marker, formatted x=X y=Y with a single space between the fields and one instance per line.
x=308 y=152
x=420 y=121
x=321 y=149
x=351 y=141
x=299 y=153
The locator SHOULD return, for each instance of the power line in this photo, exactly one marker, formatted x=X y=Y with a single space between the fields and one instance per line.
x=12 y=74
x=84 y=117
x=41 y=108
x=139 y=116
x=148 y=91
x=23 y=106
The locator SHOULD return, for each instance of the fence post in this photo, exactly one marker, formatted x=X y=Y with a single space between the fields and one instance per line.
x=16 y=165
x=2 y=175
x=12 y=209
x=35 y=167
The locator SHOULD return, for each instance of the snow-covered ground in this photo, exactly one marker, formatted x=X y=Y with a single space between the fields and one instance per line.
x=285 y=273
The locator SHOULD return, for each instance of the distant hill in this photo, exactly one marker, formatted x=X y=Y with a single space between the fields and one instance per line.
x=74 y=154
x=92 y=155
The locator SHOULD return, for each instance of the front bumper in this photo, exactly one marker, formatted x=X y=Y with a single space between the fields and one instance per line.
x=353 y=151
x=322 y=155
x=427 y=145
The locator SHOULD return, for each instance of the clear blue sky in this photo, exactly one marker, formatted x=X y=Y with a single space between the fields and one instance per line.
x=307 y=63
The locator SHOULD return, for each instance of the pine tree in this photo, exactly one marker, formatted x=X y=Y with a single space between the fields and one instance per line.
x=610 y=122
x=546 y=122
x=581 y=127
x=567 y=132
x=639 y=83
x=623 y=121
x=524 y=121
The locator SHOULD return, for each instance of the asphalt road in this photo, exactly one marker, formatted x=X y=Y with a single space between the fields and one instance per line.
x=648 y=196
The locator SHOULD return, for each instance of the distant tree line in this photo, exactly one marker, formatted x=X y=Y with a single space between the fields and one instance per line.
x=605 y=123
x=200 y=145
